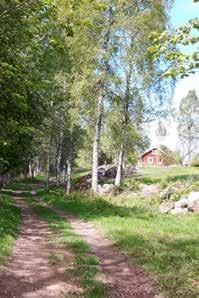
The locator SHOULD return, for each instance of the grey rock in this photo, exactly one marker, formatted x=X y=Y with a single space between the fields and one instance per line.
x=194 y=207
x=193 y=197
x=166 y=207
x=176 y=211
x=182 y=203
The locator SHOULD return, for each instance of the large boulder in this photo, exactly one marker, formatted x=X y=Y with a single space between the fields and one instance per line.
x=166 y=207
x=193 y=197
x=110 y=171
x=194 y=207
x=107 y=189
x=176 y=211
x=182 y=203
x=183 y=206
x=106 y=171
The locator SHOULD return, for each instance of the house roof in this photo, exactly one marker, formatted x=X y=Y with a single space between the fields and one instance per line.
x=155 y=148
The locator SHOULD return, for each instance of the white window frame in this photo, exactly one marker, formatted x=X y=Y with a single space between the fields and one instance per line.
x=154 y=151
x=150 y=159
x=159 y=160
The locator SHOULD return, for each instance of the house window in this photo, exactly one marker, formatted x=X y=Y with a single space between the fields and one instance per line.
x=154 y=151
x=150 y=159
x=159 y=160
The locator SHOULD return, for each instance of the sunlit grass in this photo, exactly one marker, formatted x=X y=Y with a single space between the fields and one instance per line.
x=9 y=223
x=172 y=173
x=166 y=246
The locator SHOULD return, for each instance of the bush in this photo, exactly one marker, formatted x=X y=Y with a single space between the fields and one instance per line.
x=131 y=184
x=164 y=183
x=195 y=162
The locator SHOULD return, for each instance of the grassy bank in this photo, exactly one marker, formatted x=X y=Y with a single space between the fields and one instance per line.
x=166 y=246
x=171 y=174
x=85 y=265
x=9 y=224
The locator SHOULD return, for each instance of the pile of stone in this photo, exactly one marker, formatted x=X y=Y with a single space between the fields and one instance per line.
x=183 y=206
x=105 y=172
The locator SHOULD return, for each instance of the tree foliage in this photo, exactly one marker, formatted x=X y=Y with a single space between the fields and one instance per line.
x=71 y=71
x=172 y=45
x=188 y=123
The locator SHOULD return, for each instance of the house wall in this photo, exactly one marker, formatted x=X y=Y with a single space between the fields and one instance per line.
x=152 y=159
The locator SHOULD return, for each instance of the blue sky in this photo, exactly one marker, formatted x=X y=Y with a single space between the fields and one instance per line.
x=182 y=11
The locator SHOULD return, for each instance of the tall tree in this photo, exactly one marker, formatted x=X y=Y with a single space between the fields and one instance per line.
x=137 y=78
x=22 y=101
x=188 y=123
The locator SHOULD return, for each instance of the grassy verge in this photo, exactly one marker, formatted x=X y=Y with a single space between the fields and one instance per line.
x=86 y=265
x=152 y=175
x=9 y=223
x=166 y=246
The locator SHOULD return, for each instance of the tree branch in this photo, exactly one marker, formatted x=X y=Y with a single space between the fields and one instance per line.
x=7 y=11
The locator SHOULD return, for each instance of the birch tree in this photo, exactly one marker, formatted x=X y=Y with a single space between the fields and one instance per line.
x=188 y=123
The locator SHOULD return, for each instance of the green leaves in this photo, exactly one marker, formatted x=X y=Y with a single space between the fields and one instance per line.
x=166 y=45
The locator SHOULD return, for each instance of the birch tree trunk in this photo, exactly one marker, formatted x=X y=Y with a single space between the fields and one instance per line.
x=60 y=141
x=118 y=178
x=37 y=165
x=68 y=181
x=125 y=105
x=48 y=164
x=58 y=157
x=32 y=172
x=100 y=104
x=69 y=163
x=64 y=174
x=29 y=168
x=96 y=145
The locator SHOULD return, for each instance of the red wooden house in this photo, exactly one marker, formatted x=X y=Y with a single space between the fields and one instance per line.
x=153 y=157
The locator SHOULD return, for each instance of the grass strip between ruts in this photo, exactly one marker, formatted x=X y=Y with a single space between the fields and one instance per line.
x=86 y=265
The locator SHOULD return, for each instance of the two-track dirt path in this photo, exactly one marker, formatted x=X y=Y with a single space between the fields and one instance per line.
x=122 y=280
x=28 y=273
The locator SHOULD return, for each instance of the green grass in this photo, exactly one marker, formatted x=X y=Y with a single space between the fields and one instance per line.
x=9 y=224
x=157 y=174
x=85 y=264
x=166 y=246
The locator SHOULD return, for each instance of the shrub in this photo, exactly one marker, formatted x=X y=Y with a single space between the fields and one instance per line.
x=163 y=183
x=195 y=162
x=131 y=184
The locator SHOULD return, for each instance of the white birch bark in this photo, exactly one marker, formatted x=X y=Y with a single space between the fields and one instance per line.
x=118 y=178
x=96 y=146
x=68 y=181
x=69 y=163
x=58 y=156
x=48 y=164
